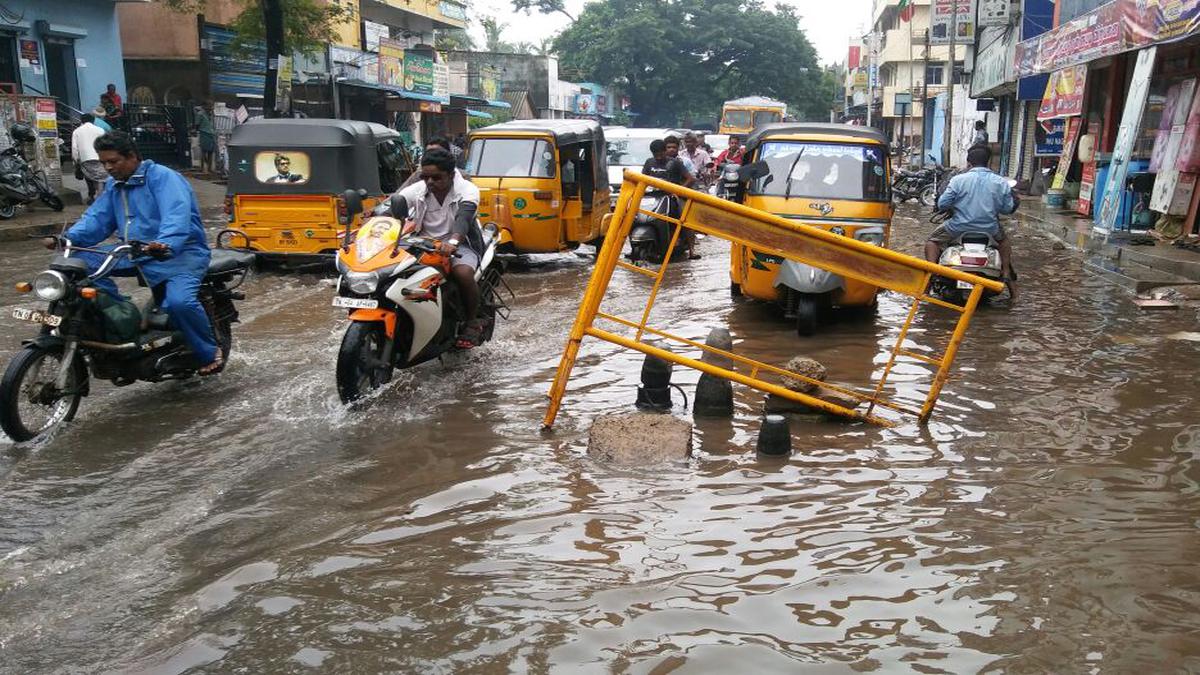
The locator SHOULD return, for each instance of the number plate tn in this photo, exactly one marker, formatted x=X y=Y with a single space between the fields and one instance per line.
x=356 y=303
x=36 y=317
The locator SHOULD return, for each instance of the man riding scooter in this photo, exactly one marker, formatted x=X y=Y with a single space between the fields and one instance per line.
x=443 y=207
x=144 y=201
x=978 y=197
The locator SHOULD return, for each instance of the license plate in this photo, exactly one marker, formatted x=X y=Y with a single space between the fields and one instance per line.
x=355 y=303
x=965 y=285
x=36 y=316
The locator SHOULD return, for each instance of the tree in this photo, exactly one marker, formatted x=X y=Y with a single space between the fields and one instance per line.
x=543 y=7
x=674 y=58
x=308 y=25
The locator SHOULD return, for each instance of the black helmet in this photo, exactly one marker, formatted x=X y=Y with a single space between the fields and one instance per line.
x=22 y=133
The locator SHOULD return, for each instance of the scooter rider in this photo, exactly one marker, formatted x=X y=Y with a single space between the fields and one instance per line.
x=144 y=201
x=443 y=207
x=978 y=197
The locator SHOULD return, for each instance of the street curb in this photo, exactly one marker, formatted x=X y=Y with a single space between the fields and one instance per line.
x=1174 y=271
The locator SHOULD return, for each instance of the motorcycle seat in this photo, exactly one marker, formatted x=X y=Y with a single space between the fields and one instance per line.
x=976 y=238
x=226 y=261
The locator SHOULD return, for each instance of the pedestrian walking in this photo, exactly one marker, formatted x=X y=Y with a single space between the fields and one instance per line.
x=87 y=161
x=208 y=140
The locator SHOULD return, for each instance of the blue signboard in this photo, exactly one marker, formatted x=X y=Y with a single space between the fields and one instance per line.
x=1050 y=143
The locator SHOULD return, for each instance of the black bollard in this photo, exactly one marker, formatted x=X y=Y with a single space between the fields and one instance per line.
x=714 y=395
x=774 y=438
x=655 y=392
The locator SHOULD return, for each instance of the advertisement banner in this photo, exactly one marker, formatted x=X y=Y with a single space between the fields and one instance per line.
x=283 y=85
x=993 y=12
x=1087 y=185
x=47 y=119
x=994 y=61
x=418 y=73
x=391 y=63
x=441 y=80
x=1068 y=154
x=1049 y=143
x=1064 y=93
x=1115 y=27
x=585 y=104
x=944 y=20
x=374 y=32
x=1131 y=121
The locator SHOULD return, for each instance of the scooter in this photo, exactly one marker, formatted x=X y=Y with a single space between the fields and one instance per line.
x=85 y=329
x=974 y=253
x=404 y=309
x=19 y=182
x=649 y=237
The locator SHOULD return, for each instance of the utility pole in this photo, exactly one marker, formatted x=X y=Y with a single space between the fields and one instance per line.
x=925 y=99
x=947 y=131
x=870 y=76
x=273 y=29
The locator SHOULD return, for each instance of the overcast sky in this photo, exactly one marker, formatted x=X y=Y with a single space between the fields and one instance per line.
x=828 y=23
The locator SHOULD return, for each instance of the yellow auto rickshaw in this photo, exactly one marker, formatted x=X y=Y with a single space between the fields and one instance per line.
x=544 y=183
x=832 y=176
x=286 y=178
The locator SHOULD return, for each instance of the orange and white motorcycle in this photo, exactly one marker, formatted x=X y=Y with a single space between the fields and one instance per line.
x=404 y=307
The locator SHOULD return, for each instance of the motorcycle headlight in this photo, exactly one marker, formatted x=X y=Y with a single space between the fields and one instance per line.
x=362 y=283
x=50 y=285
x=872 y=236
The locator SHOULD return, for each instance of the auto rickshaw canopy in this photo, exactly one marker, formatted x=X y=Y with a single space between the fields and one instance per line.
x=564 y=132
x=338 y=154
x=814 y=131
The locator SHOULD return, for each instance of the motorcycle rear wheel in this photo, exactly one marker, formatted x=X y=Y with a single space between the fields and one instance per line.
x=53 y=201
x=929 y=195
x=7 y=210
x=360 y=367
x=31 y=371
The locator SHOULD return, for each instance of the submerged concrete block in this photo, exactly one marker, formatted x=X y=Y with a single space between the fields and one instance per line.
x=714 y=395
x=639 y=438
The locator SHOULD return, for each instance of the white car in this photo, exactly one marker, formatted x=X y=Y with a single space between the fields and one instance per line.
x=629 y=149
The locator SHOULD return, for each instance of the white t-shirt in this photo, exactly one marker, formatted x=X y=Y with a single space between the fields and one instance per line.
x=436 y=219
x=82 y=140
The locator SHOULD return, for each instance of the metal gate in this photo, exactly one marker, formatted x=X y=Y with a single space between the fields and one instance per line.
x=777 y=236
x=161 y=133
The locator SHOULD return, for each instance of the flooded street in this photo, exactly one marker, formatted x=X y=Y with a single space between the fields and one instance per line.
x=1045 y=520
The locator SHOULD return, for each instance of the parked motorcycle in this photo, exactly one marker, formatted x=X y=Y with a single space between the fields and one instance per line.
x=19 y=183
x=649 y=237
x=85 y=329
x=919 y=184
x=404 y=307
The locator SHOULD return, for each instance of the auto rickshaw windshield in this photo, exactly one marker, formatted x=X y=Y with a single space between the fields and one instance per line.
x=504 y=157
x=823 y=171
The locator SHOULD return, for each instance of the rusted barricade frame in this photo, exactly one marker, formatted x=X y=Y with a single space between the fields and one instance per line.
x=778 y=236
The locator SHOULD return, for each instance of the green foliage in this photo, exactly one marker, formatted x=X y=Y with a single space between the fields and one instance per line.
x=454 y=39
x=543 y=7
x=308 y=25
x=493 y=28
x=677 y=59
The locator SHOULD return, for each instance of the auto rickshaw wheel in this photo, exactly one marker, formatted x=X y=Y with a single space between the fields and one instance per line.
x=808 y=313
x=735 y=291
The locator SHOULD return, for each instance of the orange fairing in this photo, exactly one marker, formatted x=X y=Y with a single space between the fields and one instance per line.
x=387 y=316
x=374 y=246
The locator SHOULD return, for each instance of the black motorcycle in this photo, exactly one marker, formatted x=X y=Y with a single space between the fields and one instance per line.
x=919 y=184
x=85 y=329
x=650 y=237
x=20 y=183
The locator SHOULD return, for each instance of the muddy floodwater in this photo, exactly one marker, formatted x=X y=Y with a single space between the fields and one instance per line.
x=1045 y=520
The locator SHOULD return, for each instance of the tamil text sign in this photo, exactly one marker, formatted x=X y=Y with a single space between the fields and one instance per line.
x=944 y=22
x=1064 y=93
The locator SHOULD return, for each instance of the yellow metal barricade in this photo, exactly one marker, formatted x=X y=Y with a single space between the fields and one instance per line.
x=777 y=236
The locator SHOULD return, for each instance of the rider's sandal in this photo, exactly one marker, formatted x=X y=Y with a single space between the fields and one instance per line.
x=470 y=336
x=213 y=368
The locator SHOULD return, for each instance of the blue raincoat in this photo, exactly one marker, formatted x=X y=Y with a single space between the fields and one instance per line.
x=156 y=204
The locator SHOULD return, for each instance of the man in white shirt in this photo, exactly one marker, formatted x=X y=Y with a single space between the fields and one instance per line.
x=700 y=159
x=443 y=207
x=87 y=160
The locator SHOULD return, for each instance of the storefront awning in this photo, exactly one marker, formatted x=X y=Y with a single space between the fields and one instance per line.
x=394 y=91
x=499 y=104
x=479 y=114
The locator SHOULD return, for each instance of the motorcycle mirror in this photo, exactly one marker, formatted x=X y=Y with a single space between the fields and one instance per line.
x=399 y=207
x=354 y=206
x=754 y=171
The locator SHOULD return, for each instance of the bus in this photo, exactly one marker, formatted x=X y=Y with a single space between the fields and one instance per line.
x=742 y=115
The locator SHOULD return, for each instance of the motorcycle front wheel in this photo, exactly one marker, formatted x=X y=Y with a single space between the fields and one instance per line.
x=29 y=405
x=360 y=365
x=53 y=201
x=929 y=195
x=7 y=209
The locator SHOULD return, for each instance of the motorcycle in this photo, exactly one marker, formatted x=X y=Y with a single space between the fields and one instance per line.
x=19 y=182
x=87 y=331
x=404 y=309
x=921 y=184
x=649 y=237
x=974 y=253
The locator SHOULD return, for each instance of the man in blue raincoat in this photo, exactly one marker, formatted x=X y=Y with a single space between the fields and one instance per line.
x=147 y=202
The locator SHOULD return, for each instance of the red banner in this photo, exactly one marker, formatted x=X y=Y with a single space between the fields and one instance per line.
x=1118 y=26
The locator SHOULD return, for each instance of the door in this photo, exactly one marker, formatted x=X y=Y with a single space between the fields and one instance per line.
x=8 y=61
x=61 y=73
x=572 y=209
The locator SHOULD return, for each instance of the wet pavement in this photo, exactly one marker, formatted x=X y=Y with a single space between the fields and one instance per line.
x=1045 y=520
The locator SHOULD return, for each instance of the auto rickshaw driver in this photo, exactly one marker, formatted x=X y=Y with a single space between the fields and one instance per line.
x=443 y=207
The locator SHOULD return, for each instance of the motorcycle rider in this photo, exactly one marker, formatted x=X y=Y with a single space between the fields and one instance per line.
x=670 y=168
x=733 y=153
x=700 y=159
x=443 y=206
x=148 y=202
x=978 y=197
